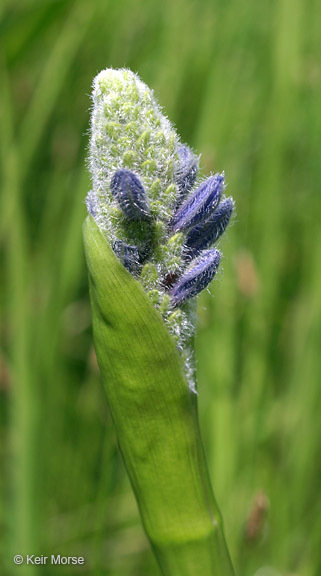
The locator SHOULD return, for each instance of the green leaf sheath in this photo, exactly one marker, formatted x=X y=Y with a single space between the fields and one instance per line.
x=155 y=418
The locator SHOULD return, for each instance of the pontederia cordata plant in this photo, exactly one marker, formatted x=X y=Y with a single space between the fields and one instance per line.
x=149 y=246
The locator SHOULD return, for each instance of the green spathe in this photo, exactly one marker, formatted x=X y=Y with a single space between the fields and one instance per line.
x=155 y=417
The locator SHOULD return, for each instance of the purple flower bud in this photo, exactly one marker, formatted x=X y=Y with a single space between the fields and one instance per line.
x=199 y=206
x=186 y=171
x=205 y=234
x=196 y=277
x=128 y=256
x=130 y=194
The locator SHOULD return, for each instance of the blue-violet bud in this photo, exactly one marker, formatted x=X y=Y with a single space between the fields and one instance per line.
x=130 y=195
x=206 y=234
x=186 y=171
x=128 y=255
x=199 y=205
x=197 y=277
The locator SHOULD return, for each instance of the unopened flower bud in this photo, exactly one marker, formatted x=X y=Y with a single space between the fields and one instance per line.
x=196 y=277
x=186 y=170
x=206 y=234
x=199 y=205
x=130 y=194
x=128 y=255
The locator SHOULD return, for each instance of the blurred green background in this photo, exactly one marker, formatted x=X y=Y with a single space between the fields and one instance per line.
x=241 y=81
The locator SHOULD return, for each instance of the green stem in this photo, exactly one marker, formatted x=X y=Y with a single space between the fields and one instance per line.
x=190 y=553
x=155 y=417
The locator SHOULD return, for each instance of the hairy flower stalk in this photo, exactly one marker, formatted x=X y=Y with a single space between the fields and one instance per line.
x=148 y=244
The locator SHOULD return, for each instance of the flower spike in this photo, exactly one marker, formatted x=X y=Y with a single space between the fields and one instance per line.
x=159 y=223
